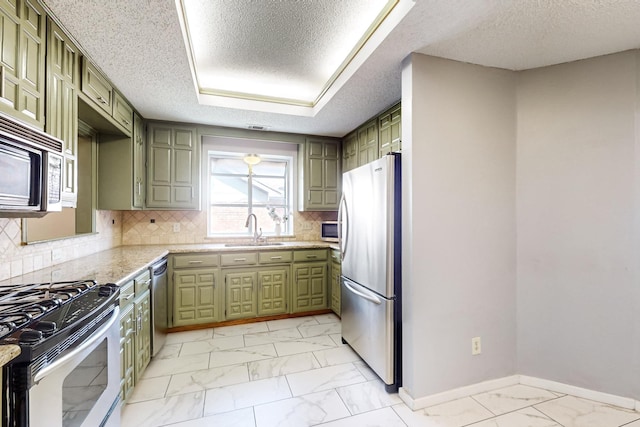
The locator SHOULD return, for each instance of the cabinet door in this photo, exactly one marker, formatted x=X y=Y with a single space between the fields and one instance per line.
x=321 y=175
x=62 y=104
x=368 y=143
x=272 y=292
x=127 y=332
x=309 y=286
x=241 y=298
x=390 y=130
x=122 y=112
x=96 y=86
x=335 y=287
x=142 y=313
x=173 y=175
x=350 y=152
x=139 y=156
x=22 y=60
x=195 y=296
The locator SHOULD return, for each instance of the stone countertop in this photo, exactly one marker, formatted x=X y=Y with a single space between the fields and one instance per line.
x=8 y=353
x=118 y=265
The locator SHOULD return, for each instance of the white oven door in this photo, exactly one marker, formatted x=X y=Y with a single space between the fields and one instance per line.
x=81 y=387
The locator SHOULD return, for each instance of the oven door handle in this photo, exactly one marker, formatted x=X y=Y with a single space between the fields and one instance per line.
x=96 y=336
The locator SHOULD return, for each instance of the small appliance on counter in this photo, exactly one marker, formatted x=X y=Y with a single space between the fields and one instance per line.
x=329 y=231
x=370 y=245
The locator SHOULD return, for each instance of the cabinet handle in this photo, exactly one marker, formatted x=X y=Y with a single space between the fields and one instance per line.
x=239 y=259
x=129 y=297
x=126 y=122
x=312 y=256
x=139 y=187
x=195 y=262
x=101 y=100
x=276 y=257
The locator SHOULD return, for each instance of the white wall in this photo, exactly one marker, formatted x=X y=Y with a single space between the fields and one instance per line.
x=459 y=133
x=577 y=203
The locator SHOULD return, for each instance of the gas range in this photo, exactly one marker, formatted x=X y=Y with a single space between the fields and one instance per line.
x=47 y=318
x=65 y=330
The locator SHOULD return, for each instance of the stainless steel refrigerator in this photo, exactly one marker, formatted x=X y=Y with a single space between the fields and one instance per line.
x=370 y=243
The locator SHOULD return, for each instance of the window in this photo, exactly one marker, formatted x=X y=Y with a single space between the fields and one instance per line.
x=235 y=190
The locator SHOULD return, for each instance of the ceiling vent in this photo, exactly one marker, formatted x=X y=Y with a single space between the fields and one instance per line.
x=258 y=127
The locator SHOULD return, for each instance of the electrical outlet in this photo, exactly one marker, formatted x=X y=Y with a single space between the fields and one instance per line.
x=176 y=227
x=476 y=346
x=306 y=226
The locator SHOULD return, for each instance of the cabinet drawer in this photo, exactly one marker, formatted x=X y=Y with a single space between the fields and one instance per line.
x=335 y=255
x=310 y=255
x=273 y=257
x=245 y=258
x=142 y=282
x=195 y=260
x=126 y=294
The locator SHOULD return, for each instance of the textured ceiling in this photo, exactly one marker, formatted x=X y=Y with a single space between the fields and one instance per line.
x=238 y=47
x=139 y=45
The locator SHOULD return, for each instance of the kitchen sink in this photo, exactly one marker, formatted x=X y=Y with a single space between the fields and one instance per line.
x=237 y=245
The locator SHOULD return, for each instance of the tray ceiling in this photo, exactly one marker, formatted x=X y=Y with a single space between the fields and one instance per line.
x=140 y=46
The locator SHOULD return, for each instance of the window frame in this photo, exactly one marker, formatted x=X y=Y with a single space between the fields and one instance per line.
x=267 y=149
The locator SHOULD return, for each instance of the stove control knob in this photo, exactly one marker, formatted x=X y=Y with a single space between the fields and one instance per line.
x=46 y=327
x=30 y=337
x=105 y=291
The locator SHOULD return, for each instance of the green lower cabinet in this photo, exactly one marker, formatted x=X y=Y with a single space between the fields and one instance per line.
x=142 y=314
x=336 y=295
x=309 y=286
x=241 y=298
x=127 y=352
x=195 y=296
x=272 y=292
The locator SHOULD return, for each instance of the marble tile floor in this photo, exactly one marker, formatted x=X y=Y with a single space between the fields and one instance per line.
x=297 y=373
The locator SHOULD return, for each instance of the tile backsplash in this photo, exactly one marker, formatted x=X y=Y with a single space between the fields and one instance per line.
x=116 y=228
x=138 y=228
x=17 y=258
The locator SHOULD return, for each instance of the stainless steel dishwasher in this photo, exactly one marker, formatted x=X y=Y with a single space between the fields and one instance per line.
x=159 y=312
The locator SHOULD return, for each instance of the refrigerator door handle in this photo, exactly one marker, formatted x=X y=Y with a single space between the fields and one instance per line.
x=370 y=298
x=343 y=240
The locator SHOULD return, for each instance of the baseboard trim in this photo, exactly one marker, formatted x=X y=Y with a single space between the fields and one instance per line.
x=456 y=393
x=585 y=393
x=470 y=390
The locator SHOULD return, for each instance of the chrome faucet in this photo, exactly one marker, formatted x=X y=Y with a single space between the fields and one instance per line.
x=256 y=234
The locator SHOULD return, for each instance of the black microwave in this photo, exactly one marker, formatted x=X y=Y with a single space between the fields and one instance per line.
x=30 y=171
x=329 y=231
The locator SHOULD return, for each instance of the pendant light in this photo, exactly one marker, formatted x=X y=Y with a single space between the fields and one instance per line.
x=251 y=160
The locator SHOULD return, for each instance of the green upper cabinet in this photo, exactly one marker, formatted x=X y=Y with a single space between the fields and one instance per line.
x=368 y=143
x=121 y=170
x=390 y=130
x=96 y=87
x=374 y=139
x=173 y=167
x=350 y=152
x=63 y=79
x=139 y=160
x=22 y=60
x=122 y=112
x=321 y=175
